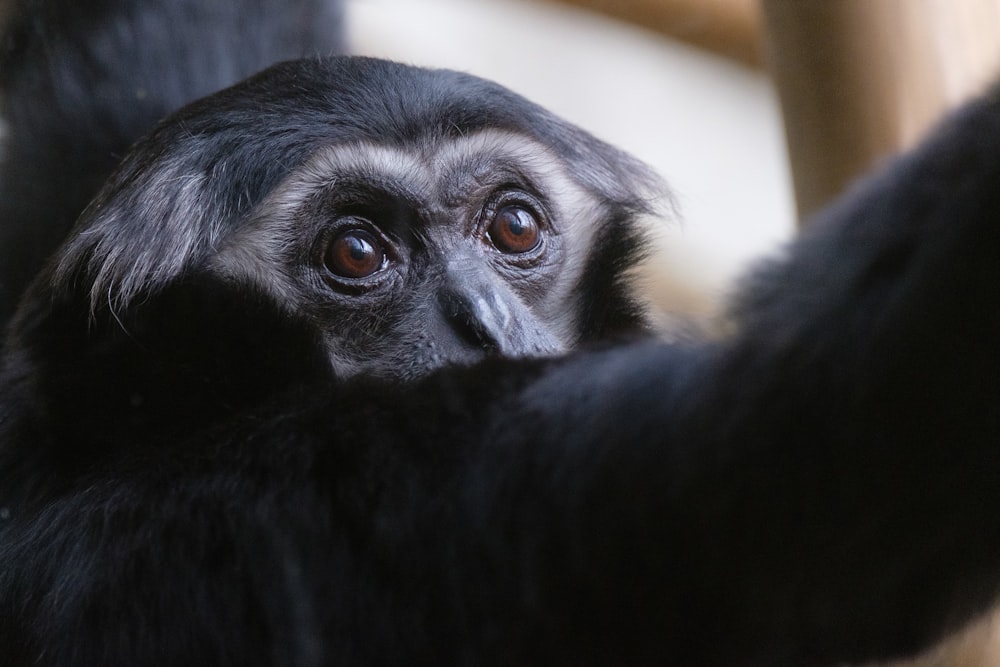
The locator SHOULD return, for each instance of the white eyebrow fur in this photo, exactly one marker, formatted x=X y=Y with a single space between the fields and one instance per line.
x=256 y=252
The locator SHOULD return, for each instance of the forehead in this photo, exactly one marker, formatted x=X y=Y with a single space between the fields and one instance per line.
x=441 y=171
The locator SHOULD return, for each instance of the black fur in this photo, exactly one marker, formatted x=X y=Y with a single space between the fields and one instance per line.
x=81 y=81
x=183 y=480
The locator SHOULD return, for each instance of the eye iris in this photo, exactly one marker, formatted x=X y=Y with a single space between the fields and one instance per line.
x=514 y=230
x=354 y=254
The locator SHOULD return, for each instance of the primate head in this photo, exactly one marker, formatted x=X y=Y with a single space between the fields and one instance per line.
x=342 y=217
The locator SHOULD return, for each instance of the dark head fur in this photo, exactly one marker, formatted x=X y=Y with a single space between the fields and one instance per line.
x=182 y=288
x=81 y=81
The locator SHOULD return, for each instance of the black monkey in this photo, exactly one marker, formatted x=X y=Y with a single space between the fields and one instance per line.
x=197 y=465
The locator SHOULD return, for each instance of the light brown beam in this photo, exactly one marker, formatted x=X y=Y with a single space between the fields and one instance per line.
x=862 y=79
x=728 y=27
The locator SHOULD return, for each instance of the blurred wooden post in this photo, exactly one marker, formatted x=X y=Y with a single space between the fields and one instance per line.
x=730 y=28
x=862 y=79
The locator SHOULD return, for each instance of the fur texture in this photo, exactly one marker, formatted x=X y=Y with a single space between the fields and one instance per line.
x=80 y=82
x=188 y=476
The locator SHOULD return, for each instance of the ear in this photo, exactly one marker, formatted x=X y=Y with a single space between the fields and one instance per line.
x=621 y=179
x=149 y=222
x=616 y=300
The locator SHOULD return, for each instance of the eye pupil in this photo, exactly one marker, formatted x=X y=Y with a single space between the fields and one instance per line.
x=354 y=253
x=516 y=226
x=359 y=249
x=514 y=230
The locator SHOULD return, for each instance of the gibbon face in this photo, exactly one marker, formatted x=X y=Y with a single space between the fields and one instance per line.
x=404 y=218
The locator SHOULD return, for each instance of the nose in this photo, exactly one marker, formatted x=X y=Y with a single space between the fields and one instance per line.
x=476 y=312
x=484 y=311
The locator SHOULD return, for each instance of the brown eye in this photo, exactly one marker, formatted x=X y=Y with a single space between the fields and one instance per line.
x=514 y=230
x=354 y=253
